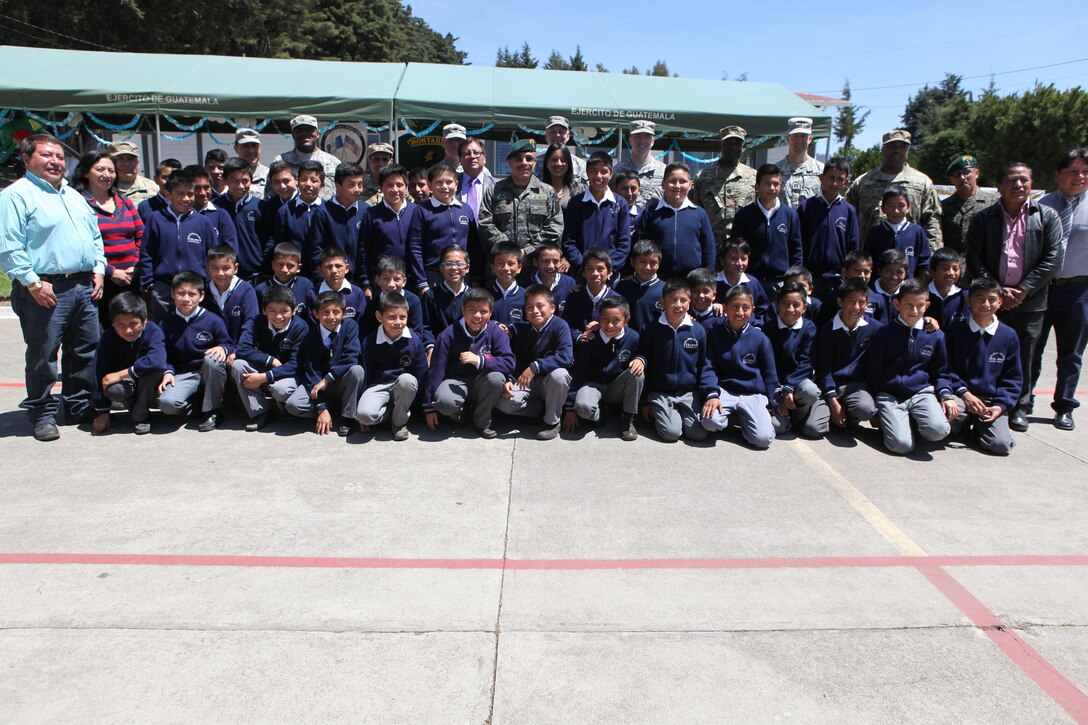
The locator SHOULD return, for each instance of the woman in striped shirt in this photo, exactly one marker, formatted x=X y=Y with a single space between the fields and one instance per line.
x=120 y=224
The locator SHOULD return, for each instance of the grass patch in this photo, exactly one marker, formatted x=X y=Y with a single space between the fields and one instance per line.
x=5 y=287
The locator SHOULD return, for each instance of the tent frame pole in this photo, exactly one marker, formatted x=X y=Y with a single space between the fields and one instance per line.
x=619 y=142
x=158 y=139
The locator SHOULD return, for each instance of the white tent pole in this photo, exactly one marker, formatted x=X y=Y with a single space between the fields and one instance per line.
x=158 y=140
x=619 y=143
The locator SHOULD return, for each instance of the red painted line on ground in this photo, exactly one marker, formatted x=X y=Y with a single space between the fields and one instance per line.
x=1046 y=675
x=320 y=562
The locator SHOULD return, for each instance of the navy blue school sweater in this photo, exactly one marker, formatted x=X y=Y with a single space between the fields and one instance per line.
x=685 y=237
x=581 y=309
x=224 y=225
x=368 y=322
x=254 y=252
x=903 y=360
x=564 y=285
x=776 y=244
x=948 y=310
x=239 y=307
x=840 y=354
x=828 y=233
x=601 y=362
x=742 y=360
x=986 y=365
x=643 y=298
x=354 y=300
x=880 y=304
x=172 y=245
x=146 y=355
x=301 y=288
x=509 y=306
x=385 y=232
x=150 y=205
x=760 y=302
x=386 y=361
x=491 y=344
x=292 y=225
x=259 y=345
x=676 y=359
x=269 y=208
x=441 y=225
x=634 y=216
x=318 y=361
x=588 y=226
x=442 y=307
x=793 y=351
x=187 y=341
x=543 y=350
x=912 y=241
x=815 y=309
x=331 y=225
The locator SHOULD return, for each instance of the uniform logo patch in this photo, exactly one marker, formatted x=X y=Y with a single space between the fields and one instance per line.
x=691 y=344
x=349 y=312
x=623 y=356
x=194 y=238
x=749 y=358
x=783 y=229
x=462 y=220
x=236 y=312
x=516 y=314
x=406 y=361
x=909 y=251
x=840 y=224
x=997 y=358
x=251 y=216
x=484 y=350
x=926 y=351
x=203 y=337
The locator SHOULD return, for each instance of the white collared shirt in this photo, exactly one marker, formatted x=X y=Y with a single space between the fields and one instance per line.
x=285 y=328
x=687 y=203
x=838 y=324
x=975 y=327
x=887 y=294
x=220 y=298
x=384 y=339
x=952 y=292
x=597 y=298
x=649 y=282
x=795 y=326
x=743 y=279
x=898 y=227
x=196 y=313
x=455 y=293
x=325 y=332
x=324 y=287
x=768 y=213
x=336 y=200
x=438 y=205
x=606 y=339
x=395 y=211
x=539 y=281
x=686 y=322
x=917 y=325
x=608 y=196
x=507 y=291
x=298 y=201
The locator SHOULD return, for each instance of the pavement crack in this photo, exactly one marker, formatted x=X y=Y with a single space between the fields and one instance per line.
x=502 y=582
x=1048 y=444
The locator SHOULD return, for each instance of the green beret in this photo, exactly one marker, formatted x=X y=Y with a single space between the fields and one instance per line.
x=961 y=162
x=521 y=146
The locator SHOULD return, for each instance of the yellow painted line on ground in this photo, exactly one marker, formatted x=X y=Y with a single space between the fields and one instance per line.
x=857 y=500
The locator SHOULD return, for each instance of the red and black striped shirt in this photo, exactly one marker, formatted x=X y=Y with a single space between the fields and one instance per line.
x=122 y=232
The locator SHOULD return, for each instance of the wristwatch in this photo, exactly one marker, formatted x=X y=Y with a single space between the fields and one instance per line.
x=34 y=287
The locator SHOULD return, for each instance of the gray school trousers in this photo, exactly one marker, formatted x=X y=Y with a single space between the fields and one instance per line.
x=345 y=391
x=482 y=392
x=993 y=437
x=551 y=388
x=675 y=415
x=136 y=395
x=626 y=389
x=811 y=417
x=254 y=401
x=373 y=406
x=895 y=417
x=177 y=399
x=857 y=402
x=752 y=414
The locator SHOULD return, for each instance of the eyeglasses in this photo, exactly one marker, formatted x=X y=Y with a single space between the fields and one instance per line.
x=472 y=153
x=453 y=265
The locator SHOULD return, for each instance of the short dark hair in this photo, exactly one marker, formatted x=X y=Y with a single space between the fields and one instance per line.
x=390 y=263
x=332 y=252
x=674 y=285
x=278 y=167
x=219 y=156
x=892 y=257
x=791 y=288
x=597 y=255
x=277 y=294
x=700 y=277
x=222 y=251
x=736 y=244
x=235 y=165
x=548 y=246
x=507 y=248
x=767 y=170
x=837 y=163
x=329 y=297
x=1066 y=160
x=450 y=249
x=316 y=166
x=894 y=192
x=1004 y=172
x=615 y=302
x=851 y=285
x=621 y=176
x=799 y=270
x=912 y=286
x=440 y=168
x=645 y=248
x=539 y=290
x=187 y=278
x=984 y=284
x=287 y=249
x=464 y=144
x=599 y=157
x=391 y=300
x=945 y=254
x=172 y=164
x=738 y=290
x=197 y=171
x=388 y=172
x=675 y=167
x=478 y=294
x=854 y=256
x=346 y=170
x=26 y=148
x=179 y=178
x=128 y=303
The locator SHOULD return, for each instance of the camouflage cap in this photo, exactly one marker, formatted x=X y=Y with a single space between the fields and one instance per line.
x=520 y=147
x=303 y=121
x=642 y=126
x=799 y=124
x=898 y=135
x=453 y=130
x=557 y=121
x=733 y=132
x=246 y=135
x=123 y=148
x=379 y=148
x=961 y=162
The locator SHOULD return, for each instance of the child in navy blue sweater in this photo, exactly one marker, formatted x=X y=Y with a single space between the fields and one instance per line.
x=547 y=261
x=799 y=274
x=203 y=204
x=597 y=219
x=841 y=344
x=704 y=292
x=395 y=365
x=267 y=356
x=797 y=400
x=672 y=353
x=286 y=272
x=543 y=352
x=908 y=374
x=742 y=368
x=443 y=302
x=628 y=187
x=336 y=222
x=985 y=369
x=128 y=363
x=899 y=232
x=392 y=227
x=643 y=289
x=244 y=210
x=197 y=348
x=335 y=269
x=294 y=217
x=329 y=372
x=680 y=229
x=891 y=270
x=584 y=302
x=471 y=360
x=771 y=228
x=602 y=371
x=446 y=221
x=733 y=257
x=947 y=302
x=228 y=296
x=506 y=260
x=392 y=278
x=829 y=229
x=176 y=240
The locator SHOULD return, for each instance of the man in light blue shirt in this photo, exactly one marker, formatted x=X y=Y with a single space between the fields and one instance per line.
x=51 y=248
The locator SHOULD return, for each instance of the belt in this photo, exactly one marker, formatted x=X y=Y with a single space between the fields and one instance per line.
x=51 y=278
x=1069 y=280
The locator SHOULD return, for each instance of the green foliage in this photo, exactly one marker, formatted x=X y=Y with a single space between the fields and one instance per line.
x=660 y=68
x=848 y=123
x=5 y=287
x=932 y=109
x=518 y=59
x=862 y=160
x=556 y=62
x=577 y=62
x=632 y=71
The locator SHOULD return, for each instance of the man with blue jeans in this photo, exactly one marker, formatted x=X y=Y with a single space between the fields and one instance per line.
x=51 y=248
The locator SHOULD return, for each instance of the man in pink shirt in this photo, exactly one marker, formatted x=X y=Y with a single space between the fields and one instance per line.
x=1019 y=243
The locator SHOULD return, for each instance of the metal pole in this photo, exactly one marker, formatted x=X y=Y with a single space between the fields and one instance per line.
x=619 y=143
x=158 y=140
x=827 y=148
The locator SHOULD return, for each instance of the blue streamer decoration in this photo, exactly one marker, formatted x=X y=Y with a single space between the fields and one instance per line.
x=221 y=143
x=526 y=129
x=62 y=136
x=6 y=114
x=168 y=137
x=483 y=129
x=425 y=132
x=182 y=126
x=97 y=138
x=113 y=127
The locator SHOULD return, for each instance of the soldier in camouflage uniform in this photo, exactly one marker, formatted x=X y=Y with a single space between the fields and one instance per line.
x=520 y=208
x=305 y=134
x=958 y=209
x=378 y=156
x=800 y=172
x=727 y=185
x=641 y=162
x=868 y=189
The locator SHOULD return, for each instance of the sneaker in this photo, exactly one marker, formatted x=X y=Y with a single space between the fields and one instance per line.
x=346 y=429
x=548 y=433
x=210 y=422
x=400 y=434
x=46 y=432
x=141 y=429
x=627 y=428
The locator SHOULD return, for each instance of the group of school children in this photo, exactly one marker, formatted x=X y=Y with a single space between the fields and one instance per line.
x=692 y=354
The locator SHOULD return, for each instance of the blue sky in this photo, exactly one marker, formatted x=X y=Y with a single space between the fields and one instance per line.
x=807 y=46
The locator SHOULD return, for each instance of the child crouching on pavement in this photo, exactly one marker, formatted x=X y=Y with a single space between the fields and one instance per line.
x=128 y=363
x=395 y=364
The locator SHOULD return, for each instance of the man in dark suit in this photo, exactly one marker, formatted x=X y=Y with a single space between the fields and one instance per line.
x=1018 y=242
x=475 y=180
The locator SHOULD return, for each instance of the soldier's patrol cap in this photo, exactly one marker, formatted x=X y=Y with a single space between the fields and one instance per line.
x=379 y=148
x=453 y=130
x=799 y=124
x=123 y=148
x=557 y=121
x=961 y=162
x=642 y=126
x=303 y=121
x=898 y=135
x=521 y=146
x=246 y=135
x=733 y=132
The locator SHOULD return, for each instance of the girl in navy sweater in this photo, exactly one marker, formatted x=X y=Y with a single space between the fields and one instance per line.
x=681 y=229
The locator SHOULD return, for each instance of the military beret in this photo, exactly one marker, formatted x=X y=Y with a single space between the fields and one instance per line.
x=733 y=132
x=961 y=162
x=521 y=146
x=896 y=135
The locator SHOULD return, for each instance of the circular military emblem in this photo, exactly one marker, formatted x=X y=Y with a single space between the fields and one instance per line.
x=345 y=143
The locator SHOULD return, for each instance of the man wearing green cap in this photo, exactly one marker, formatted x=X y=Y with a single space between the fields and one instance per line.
x=727 y=185
x=520 y=208
x=957 y=209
